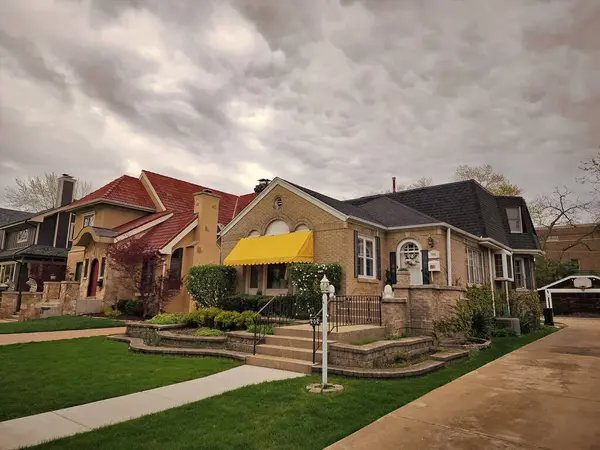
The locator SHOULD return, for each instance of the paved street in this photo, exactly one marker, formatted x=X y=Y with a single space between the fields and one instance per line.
x=20 y=338
x=543 y=396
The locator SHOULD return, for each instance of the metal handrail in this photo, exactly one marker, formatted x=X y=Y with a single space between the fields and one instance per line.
x=256 y=319
x=277 y=311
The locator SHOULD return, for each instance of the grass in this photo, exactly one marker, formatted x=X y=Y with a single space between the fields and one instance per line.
x=278 y=415
x=59 y=323
x=45 y=376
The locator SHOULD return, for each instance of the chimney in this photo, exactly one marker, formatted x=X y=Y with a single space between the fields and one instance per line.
x=206 y=207
x=262 y=184
x=66 y=190
x=393 y=184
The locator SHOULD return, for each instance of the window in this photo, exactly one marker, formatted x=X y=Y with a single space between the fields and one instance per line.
x=88 y=221
x=78 y=270
x=254 y=233
x=254 y=276
x=147 y=280
x=498 y=266
x=277 y=203
x=175 y=269
x=366 y=259
x=2 y=234
x=277 y=227
x=520 y=275
x=22 y=236
x=276 y=276
x=102 y=267
x=71 y=231
x=7 y=273
x=514 y=220
x=509 y=266
x=86 y=264
x=475 y=272
x=302 y=227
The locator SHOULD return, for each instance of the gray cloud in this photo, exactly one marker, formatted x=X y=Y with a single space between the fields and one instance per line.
x=336 y=96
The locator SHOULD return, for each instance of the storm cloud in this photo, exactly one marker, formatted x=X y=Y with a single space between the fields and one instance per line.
x=337 y=96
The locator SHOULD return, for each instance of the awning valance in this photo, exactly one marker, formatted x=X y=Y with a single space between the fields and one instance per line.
x=294 y=247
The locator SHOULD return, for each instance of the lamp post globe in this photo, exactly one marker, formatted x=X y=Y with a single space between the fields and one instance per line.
x=324 y=285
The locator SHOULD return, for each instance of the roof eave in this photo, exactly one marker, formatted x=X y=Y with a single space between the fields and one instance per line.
x=110 y=202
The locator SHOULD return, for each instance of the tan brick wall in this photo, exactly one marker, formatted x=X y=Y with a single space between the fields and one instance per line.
x=395 y=317
x=587 y=252
x=30 y=302
x=51 y=291
x=428 y=304
x=69 y=293
x=8 y=304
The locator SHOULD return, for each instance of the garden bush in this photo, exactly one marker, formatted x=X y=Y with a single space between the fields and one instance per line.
x=210 y=284
x=503 y=332
x=168 y=318
x=131 y=307
x=526 y=306
x=204 y=331
x=248 y=319
x=261 y=329
x=471 y=316
x=228 y=320
x=110 y=312
x=243 y=302
x=306 y=277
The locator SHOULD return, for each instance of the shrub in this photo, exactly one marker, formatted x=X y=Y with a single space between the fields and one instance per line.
x=526 y=306
x=210 y=315
x=168 y=318
x=306 y=278
x=109 y=312
x=248 y=319
x=243 y=302
x=261 y=329
x=227 y=320
x=131 y=307
x=209 y=284
x=471 y=316
x=195 y=318
x=503 y=332
x=203 y=331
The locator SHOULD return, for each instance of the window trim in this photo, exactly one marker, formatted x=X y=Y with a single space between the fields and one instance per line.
x=22 y=236
x=362 y=241
x=475 y=256
x=518 y=208
x=506 y=258
x=87 y=216
x=521 y=260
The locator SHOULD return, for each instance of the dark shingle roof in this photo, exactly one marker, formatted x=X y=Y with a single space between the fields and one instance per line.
x=11 y=215
x=393 y=214
x=526 y=240
x=35 y=251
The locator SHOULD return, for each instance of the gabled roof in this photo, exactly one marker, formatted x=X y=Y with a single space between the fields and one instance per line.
x=125 y=190
x=394 y=214
x=8 y=216
x=160 y=235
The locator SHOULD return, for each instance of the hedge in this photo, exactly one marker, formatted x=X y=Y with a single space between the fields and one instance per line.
x=210 y=283
x=242 y=302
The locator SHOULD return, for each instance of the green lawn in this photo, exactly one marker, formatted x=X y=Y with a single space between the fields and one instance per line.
x=44 y=376
x=278 y=415
x=59 y=323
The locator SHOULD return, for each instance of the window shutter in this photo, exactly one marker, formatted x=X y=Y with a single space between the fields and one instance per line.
x=393 y=267
x=356 y=254
x=378 y=256
x=425 y=266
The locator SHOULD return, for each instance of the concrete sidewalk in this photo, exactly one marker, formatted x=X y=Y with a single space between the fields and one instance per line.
x=543 y=396
x=21 y=338
x=33 y=430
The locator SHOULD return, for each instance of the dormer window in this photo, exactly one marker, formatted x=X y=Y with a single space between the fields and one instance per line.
x=514 y=219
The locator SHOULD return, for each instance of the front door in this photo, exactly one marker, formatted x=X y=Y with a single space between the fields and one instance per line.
x=93 y=280
x=410 y=259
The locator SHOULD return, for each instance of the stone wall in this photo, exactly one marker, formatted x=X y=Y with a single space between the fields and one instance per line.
x=30 y=305
x=51 y=291
x=8 y=304
x=394 y=316
x=377 y=354
x=241 y=341
x=428 y=304
x=148 y=331
x=69 y=293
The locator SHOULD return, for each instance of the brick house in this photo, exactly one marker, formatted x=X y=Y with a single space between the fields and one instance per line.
x=179 y=220
x=445 y=237
x=579 y=243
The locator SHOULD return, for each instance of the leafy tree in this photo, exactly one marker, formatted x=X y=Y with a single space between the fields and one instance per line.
x=210 y=284
x=548 y=271
x=39 y=193
x=134 y=265
x=494 y=182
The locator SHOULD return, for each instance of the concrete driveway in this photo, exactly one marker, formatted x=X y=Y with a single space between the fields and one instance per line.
x=545 y=395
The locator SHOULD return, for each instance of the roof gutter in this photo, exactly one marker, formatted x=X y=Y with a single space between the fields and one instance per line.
x=110 y=202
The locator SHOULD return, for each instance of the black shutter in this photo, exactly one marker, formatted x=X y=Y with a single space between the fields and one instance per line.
x=356 y=254
x=425 y=266
x=393 y=267
x=378 y=256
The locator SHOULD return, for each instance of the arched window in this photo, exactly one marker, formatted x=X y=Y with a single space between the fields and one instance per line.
x=277 y=227
x=175 y=269
x=409 y=258
x=254 y=233
x=302 y=227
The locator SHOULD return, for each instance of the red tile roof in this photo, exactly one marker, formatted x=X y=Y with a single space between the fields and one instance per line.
x=139 y=222
x=163 y=233
x=127 y=190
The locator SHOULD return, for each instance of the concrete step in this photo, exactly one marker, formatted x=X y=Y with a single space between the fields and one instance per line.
x=302 y=354
x=275 y=362
x=296 y=331
x=289 y=341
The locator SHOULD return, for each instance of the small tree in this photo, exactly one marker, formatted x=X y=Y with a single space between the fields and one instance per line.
x=307 y=277
x=496 y=183
x=210 y=283
x=136 y=264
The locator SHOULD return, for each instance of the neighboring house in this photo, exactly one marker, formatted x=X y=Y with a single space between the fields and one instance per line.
x=455 y=234
x=179 y=220
x=579 y=243
x=35 y=245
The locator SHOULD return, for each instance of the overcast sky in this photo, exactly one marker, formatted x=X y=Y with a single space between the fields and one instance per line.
x=336 y=96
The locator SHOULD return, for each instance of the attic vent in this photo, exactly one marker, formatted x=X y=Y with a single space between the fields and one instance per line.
x=277 y=203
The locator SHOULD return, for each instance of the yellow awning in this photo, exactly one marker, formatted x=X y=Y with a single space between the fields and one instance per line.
x=294 y=247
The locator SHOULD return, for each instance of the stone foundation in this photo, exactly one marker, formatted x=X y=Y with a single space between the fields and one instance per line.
x=170 y=339
x=8 y=304
x=377 y=354
x=394 y=316
x=148 y=331
x=30 y=305
x=69 y=291
x=241 y=341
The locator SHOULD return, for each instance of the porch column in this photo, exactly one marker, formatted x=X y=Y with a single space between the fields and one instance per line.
x=491 y=269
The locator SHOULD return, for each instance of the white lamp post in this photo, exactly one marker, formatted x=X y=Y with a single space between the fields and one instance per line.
x=325 y=292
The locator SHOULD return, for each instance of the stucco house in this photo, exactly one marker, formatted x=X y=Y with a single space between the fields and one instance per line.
x=446 y=237
x=180 y=220
x=35 y=245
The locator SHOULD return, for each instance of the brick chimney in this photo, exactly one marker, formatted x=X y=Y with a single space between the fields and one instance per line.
x=66 y=190
x=206 y=207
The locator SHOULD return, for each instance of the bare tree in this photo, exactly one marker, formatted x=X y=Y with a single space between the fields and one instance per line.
x=421 y=183
x=39 y=193
x=591 y=172
x=494 y=182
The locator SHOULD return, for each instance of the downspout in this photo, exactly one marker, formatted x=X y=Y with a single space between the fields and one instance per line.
x=507 y=297
x=449 y=255
x=491 y=268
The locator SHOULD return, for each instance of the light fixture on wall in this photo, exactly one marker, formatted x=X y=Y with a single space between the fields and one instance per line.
x=430 y=242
